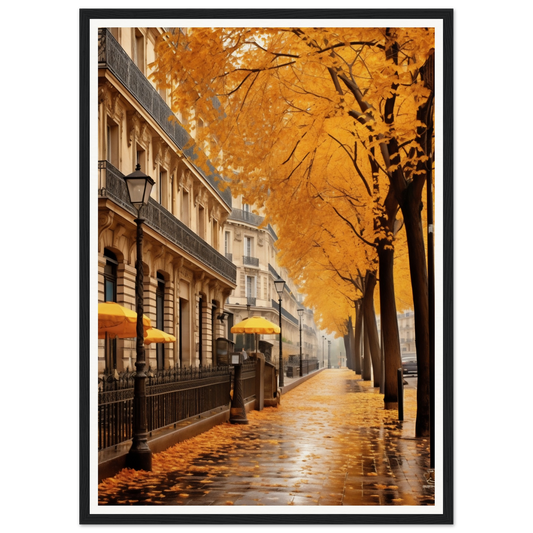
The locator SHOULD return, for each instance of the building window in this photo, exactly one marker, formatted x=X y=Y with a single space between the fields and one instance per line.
x=172 y=207
x=163 y=192
x=227 y=245
x=160 y=323
x=248 y=258
x=110 y=295
x=141 y=160
x=185 y=207
x=110 y=276
x=250 y=286
x=200 y=330
x=215 y=234
x=246 y=211
x=201 y=221
x=112 y=143
x=248 y=245
x=138 y=49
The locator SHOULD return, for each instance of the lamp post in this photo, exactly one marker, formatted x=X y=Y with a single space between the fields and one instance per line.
x=139 y=457
x=323 y=338
x=248 y=338
x=280 y=286
x=329 y=346
x=301 y=312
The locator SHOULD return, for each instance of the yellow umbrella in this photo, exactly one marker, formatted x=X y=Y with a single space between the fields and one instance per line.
x=257 y=325
x=118 y=321
x=156 y=335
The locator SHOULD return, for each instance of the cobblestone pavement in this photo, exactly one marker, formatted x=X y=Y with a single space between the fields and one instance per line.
x=330 y=442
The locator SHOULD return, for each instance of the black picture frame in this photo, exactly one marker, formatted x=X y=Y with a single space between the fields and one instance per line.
x=444 y=15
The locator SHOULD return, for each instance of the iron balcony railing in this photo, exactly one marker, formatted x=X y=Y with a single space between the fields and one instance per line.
x=246 y=216
x=284 y=312
x=240 y=215
x=113 y=57
x=112 y=185
x=273 y=271
x=250 y=261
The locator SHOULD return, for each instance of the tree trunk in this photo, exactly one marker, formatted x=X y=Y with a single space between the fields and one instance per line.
x=346 y=339
x=389 y=326
x=419 y=281
x=371 y=330
x=367 y=359
x=350 y=359
x=357 y=337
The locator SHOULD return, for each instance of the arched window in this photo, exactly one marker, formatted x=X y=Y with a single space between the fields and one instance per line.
x=110 y=276
x=160 y=313
x=200 y=329
x=110 y=295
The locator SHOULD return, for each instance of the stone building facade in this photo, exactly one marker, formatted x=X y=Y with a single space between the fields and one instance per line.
x=252 y=248
x=187 y=277
x=203 y=251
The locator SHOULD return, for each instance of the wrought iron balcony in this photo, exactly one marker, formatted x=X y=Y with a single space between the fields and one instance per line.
x=113 y=57
x=240 y=215
x=246 y=216
x=250 y=261
x=112 y=185
x=285 y=313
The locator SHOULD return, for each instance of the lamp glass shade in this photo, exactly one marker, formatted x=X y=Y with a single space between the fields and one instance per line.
x=280 y=284
x=301 y=312
x=139 y=187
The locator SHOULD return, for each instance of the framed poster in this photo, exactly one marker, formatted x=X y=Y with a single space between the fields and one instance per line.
x=443 y=513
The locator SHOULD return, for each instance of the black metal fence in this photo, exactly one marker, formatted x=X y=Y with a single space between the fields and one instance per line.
x=292 y=369
x=248 y=379
x=171 y=395
x=115 y=410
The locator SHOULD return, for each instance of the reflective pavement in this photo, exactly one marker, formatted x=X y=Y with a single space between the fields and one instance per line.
x=330 y=442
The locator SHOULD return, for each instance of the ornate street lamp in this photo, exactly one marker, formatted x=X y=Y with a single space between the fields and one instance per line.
x=280 y=286
x=329 y=346
x=139 y=456
x=301 y=312
x=323 y=339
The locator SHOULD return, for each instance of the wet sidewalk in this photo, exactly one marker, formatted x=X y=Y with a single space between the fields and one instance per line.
x=330 y=442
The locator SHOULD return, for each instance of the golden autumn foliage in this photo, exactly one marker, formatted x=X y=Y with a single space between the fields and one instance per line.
x=297 y=120
x=329 y=131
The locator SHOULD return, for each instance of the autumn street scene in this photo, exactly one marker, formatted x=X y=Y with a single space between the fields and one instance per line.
x=330 y=442
x=266 y=307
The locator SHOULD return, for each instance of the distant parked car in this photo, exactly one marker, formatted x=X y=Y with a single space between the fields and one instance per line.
x=409 y=365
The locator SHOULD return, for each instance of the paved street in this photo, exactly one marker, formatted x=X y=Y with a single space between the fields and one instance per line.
x=330 y=442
